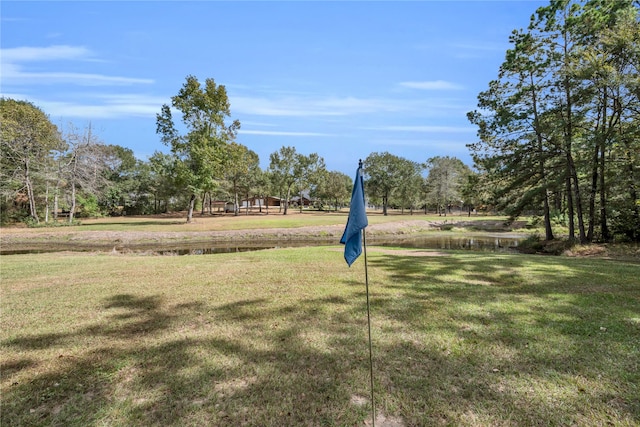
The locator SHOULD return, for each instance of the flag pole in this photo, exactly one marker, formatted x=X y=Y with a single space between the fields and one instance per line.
x=354 y=240
x=366 y=282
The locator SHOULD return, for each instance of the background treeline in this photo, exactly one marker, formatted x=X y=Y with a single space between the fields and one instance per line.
x=560 y=126
x=53 y=176
x=558 y=137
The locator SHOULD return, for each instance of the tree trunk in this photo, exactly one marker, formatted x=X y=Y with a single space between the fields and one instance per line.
x=593 y=191
x=570 y=213
x=32 y=200
x=573 y=176
x=633 y=196
x=192 y=203
x=236 y=208
x=286 y=202
x=578 y=200
x=604 y=229
x=301 y=202
x=72 y=209
x=55 y=206
x=548 y=231
x=46 y=203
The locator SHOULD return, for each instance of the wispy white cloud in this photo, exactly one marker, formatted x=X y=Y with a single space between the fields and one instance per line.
x=424 y=129
x=319 y=106
x=446 y=146
x=257 y=124
x=15 y=73
x=302 y=106
x=50 y=53
x=432 y=85
x=97 y=106
x=280 y=133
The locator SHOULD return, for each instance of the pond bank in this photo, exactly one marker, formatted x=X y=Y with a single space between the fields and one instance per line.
x=72 y=239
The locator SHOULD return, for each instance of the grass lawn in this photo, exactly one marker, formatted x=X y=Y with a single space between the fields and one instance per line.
x=279 y=338
x=295 y=219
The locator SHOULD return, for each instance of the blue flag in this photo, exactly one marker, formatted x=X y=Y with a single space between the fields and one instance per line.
x=352 y=237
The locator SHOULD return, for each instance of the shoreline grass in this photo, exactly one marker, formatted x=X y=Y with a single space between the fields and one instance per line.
x=278 y=338
x=226 y=222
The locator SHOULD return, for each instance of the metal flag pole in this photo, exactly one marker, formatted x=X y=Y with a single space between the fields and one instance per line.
x=366 y=283
x=354 y=240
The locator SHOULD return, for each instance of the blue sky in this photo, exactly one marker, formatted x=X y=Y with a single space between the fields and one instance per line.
x=342 y=79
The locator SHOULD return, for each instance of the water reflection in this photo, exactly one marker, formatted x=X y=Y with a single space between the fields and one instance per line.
x=485 y=242
x=477 y=243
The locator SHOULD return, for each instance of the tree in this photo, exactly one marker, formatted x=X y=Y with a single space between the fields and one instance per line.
x=240 y=165
x=445 y=181
x=85 y=162
x=558 y=128
x=382 y=176
x=27 y=138
x=610 y=64
x=262 y=187
x=558 y=22
x=517 y=141
x=123 y=180
x=162 y=185
x=205 y=112
x=308 y=172
x=409 y=181
x=282 y=167
x=334 y=187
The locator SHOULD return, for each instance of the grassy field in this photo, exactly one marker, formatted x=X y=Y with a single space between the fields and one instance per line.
x=295 y=219
x=279 y=338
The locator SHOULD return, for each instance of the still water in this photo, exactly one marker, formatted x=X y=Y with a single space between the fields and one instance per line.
x=496 y=242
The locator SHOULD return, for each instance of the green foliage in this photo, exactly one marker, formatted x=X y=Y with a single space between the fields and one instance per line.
x=290 y=171
x=382 y=177
x=199 y=151
x=88 y=206
x=558 y=129
x=27 y=137
x=446 y=182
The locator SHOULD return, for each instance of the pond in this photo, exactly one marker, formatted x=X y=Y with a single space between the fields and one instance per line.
x=495 y=242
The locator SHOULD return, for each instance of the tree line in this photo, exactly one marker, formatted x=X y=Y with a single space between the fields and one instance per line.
x=51 y=175
x=559 y=128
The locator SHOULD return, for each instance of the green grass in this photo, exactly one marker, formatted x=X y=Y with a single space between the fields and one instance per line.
x=279 y=338
x=295 y=219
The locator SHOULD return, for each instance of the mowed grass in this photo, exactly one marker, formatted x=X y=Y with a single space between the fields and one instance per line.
x=279 y=338
x=294 y=219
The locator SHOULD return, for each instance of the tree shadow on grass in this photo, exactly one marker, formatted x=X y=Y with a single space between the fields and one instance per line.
x=499 y=345
x=266 y=375
x=262 y=361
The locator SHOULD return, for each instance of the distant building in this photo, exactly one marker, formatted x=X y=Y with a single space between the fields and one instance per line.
x=256 y=202
x=295 y=201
